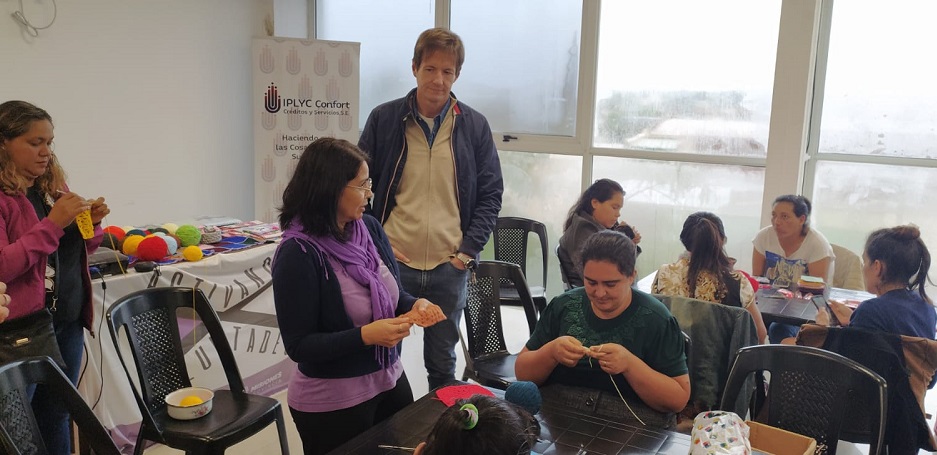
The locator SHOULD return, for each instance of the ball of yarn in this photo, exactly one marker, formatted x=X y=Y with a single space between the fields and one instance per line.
x=171 y=244
x=525 y=394
x=192 y=253
x=211 y=234
x=137 y=231
x=110 y=241
x=170 y=227
x=152 y=248
x=158 y=230
x=131 y=242
x=116 y=231
x=189 y=235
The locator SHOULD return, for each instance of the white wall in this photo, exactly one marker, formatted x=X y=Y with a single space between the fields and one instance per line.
x=151 y=100
x=290 y=18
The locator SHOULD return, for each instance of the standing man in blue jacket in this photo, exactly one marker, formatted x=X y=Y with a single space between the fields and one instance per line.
x=437 y=189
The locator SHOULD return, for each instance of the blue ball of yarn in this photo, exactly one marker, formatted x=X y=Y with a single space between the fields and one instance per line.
x=137 y=231
x=525 y=394
x=171 y=244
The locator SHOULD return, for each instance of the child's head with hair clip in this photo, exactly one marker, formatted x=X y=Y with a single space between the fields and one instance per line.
x=482 y=424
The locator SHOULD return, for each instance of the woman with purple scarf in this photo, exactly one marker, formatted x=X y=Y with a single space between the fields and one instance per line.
x=339 y=300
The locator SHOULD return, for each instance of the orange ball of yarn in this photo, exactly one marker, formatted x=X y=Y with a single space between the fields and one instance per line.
x=116 y=231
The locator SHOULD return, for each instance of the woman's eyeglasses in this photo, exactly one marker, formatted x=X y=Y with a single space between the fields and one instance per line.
x=366 y=186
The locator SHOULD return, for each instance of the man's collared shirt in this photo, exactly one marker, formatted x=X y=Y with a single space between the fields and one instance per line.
x=437 y=121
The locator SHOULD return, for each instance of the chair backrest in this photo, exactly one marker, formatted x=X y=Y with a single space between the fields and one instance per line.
x=151 y=320
x=483 y=307
x=906 y=363
x=564 y=269
x=847 y=270
x=810 y=390
x=719 y=331
x=510 y=238
x=19 y=432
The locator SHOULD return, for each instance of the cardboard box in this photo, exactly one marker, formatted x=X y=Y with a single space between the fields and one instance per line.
x=775 y=441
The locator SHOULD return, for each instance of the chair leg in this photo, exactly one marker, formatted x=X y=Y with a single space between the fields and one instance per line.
x=84 y=447
x=140 y=445
x=281 y=430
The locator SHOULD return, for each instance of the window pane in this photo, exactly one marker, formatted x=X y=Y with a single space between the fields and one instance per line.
x=542 y=187
x=659 y=195
x=387 y=32
x=521 y=63
x=699 y=81
x=879 y=96
x=882 y=196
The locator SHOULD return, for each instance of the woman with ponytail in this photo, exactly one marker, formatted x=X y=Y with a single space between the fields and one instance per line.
x=597 y=209
x=788 y=249
x=705 y=272
x=895 y=267
x=482 y=424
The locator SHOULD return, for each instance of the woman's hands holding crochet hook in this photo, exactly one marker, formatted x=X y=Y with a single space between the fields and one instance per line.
x=612 y=357
x=386 y=332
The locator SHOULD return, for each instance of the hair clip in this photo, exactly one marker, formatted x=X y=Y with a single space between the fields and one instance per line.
x=471 y=415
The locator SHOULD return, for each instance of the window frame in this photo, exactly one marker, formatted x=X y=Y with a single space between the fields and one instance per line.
x=815 y=155
x=796 y=110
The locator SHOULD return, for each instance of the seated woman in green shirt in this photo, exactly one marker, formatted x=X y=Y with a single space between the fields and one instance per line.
x=617 y=348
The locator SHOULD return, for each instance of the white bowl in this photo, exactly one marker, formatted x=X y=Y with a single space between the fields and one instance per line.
x=177 y=411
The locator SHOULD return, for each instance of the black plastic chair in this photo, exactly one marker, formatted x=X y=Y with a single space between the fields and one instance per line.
x=810 y=390
x=565 y=273
x=487 y=360
x=906 y=429
x=150 y=320
x=510 y=239
x=19 y=433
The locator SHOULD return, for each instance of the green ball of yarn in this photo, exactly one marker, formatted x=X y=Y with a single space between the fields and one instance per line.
x=189 y=235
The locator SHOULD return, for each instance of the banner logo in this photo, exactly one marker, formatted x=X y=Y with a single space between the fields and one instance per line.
x=272 y=100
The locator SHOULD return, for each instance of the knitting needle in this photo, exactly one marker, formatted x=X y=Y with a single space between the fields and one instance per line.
x=406 y=449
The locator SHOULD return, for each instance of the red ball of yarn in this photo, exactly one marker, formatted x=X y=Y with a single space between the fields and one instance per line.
x=116 y=231
x=152 y=249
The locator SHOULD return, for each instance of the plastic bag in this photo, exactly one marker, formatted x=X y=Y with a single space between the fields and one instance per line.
x=719 y=432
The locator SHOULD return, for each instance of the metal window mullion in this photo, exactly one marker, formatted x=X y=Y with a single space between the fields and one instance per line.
x=819 y=90
x=588 y=79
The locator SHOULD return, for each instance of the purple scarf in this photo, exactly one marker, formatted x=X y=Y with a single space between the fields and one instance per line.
x=359 y=257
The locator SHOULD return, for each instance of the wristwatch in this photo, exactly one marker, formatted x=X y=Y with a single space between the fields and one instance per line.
x=467 y=261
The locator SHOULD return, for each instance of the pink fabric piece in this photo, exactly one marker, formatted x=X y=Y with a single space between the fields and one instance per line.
x=449 y=395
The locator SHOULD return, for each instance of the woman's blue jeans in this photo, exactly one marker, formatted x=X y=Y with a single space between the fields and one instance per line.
x=51 y=414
